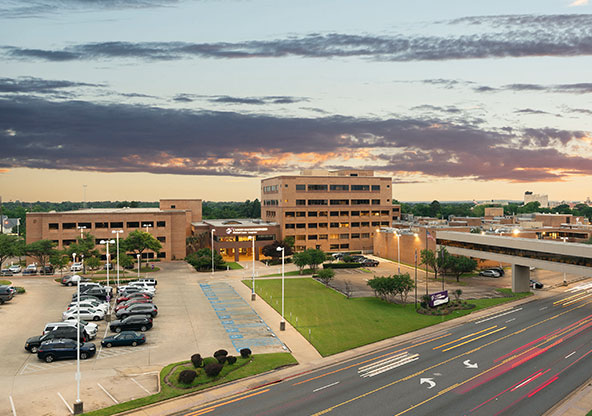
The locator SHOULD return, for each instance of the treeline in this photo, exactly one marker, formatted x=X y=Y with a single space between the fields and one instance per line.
x=219 y=210
x=444 y=210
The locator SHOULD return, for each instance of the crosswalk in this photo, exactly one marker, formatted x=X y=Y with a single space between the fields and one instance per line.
x=387 y=364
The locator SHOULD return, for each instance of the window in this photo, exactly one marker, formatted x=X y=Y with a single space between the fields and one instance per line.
x=69 y=225
x=364 y=213
x=270 y=213
x=323 y=236
x=360 y=202
x=243 y=238
x=335 y=213
x=334 y=225
x=376 y=213
x=226 y=238
x=322 y=225
x=355 y=224
x=173 y=206
x=270 y=202
x=339 y=202
x=360 y=187
x=355 y=235
x=376 y=187
x=317 y=202
x=289 y=226
x=385 y=212
x=322 y=213
x=116 y=225
x=300 y=187
x=54 y=226
x=312 y=225
x=300 y=225
x=341 y=246
x=384 y=223
x=300 y=237
x=344 y=213
x=161 y=255
x=344 y=225
x=334 y=247
x=312 y=213
x=86 y=225
x=365 y=235
x=365 y=224
x=299 y=248
x=101 y=225
x=301 y=214
x=344 y=236
x=270 y=188
x=289 y=214
x=163 y=223
x=333 y=236
x=67 y=242
x=376 y=202
x=376 y=223
x=339 y=187
x=312 y=237
x=133 y=224
x=317 y=187
x=355 y=213
x=161 y=239
x=301 y=202
x=147 y=224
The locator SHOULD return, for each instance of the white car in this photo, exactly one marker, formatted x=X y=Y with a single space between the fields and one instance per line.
x=15 y=268
x=89 y=304
x=76 y=267
x=137 y=288
x=32 y=268
x=88 y=314
x=143 y=286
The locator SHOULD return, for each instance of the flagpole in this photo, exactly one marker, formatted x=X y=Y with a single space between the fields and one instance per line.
x=426 y=264
x=415 y=279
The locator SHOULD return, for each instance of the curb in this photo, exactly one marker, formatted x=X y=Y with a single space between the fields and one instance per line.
x=571 y=401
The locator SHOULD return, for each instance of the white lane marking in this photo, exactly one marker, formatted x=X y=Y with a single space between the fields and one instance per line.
x=567 y=356
x=12 y=406
x=324 y=387
x=510 y=320
x=499 y=315
x=577 y=299
x=579 y=287
x=543 y=308
x=380 y=363
x=65 y=402
x=107 y=393
x=395 y=364
x=142 y=387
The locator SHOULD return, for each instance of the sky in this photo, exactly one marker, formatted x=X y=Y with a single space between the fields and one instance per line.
x=149 y=99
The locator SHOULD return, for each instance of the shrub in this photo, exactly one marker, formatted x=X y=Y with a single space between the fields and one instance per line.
x=341 y=265
x=212 y=370
x=231 y=359
x=196 y=360
x=220 y=352
x=245 y=353
x=221 y=358
x=20 y=290
x=326 y=275
x=187 y=376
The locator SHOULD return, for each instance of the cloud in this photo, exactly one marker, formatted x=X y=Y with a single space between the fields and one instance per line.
x=577 y=88
x=226 y=99
x=116 y=137
x=530 y=111
x=576 y=3
x=520 y=36
x=38 y=85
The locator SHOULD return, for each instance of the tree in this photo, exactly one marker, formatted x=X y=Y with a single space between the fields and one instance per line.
x=59 y=259
x=301 y=259
x=195 y=242
x=443 y=261
x=402 y=285
x=429 y=259
x=325 y=275
x=457 y=294
x=93 y=263
x=9 y=247
x=139 y=241
x=314 y=258
x=462 y=264
x=84 y=246
x=435 y=209
x=41 y=251
x=271 y=250
x=289 y=241
x=201 y=260
x=125 y=261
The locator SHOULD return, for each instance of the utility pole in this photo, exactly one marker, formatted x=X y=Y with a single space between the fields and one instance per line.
x=1 y=218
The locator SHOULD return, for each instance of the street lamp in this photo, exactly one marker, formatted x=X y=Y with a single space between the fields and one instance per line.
x=564 y=277
x=212 y=233
x=138 y=257
x=147 y=226
x=398 y=253
x=81 y=228
x=117 y=232
x=78 y=406
x=83 y=265
x=107 y=242
x=253 y=295
x=282 y=322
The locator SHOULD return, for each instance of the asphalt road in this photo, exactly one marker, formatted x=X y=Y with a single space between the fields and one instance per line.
x=521 y=361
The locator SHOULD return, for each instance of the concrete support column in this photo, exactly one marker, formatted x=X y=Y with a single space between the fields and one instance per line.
x=520 y=278
x=236 y=254
x=256 y=253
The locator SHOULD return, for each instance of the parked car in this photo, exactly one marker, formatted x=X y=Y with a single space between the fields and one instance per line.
x=71 y=280
x=137 y=295
x=369 y=262
x=103 y=306
x=76 y=267
x=125 y=338
x=31 y=268
x=148 y=280
x=6 y=294
x=46 y=270
x=123 y=305
x=90 y=328
x=489 y=273
x=108 y=266
x=137 y=288
x=6 y=272
x=535 y=284
x=500 y=270
x=137 y=309
x=85 y=313
x=131 y=323
x=15 y=268
x=64 y=348
x=97 y=292
x=32 y=344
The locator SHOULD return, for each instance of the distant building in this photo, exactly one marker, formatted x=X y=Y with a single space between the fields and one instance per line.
x=491 y=212
x=542 y=199
x=9 y=225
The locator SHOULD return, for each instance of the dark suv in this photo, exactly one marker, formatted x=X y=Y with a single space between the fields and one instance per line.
x=132 y=323
x=62 y=348
x=137 y=309
x=33 y=343
x=6 y=293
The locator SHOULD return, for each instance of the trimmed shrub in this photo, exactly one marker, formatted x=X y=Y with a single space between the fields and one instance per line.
x=231 y=359
x=196 y=360
x=341 y=265
x=245 y=353
x=221 y=358
x=219 y=353
x=212 y=370
x=187 y=376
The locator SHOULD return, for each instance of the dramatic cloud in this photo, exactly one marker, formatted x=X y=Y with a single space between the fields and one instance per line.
x=37 y=133
x=520 y=36
x=36 y=8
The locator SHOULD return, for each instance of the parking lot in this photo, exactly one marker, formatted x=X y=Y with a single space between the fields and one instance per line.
x=187 y=323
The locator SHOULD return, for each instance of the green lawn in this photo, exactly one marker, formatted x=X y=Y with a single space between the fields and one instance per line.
x=232 y=265
x=5 y=282
x=291 y=273
x=259 y=363
x=338 y=324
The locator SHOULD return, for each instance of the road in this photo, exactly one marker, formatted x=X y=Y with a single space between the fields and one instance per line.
x=521 y=361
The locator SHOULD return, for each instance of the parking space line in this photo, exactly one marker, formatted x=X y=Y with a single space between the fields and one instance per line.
x=12 y=406
x=142 y=387
x=107 y=393
x=65 y=402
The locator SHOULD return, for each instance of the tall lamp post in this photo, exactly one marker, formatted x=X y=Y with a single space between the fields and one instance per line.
x=78 y=406
x=107 y=242
x=117 y=232
x=564 y=239
x=138 y=257
x=398 y=253
x=83 y=265
x=81 y=228
x=147 y=227
x=212 y=233
x=282 y=322
x=253 y=295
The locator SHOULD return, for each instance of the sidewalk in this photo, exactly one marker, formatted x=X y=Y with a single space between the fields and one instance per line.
x=578 y=403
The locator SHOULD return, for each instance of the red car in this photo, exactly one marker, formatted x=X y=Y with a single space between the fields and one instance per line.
x=125 y=304
x=135 y=296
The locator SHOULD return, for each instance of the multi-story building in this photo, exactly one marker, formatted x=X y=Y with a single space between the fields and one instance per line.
x=331 y=211
x=170 y=224
x=542 y=199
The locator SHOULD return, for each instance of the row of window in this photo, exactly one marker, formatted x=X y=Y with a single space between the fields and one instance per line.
x=338 y=188
x=331 y=247
x=270 y=202
x=242 y=238
x=337 y=225
x=66 y=243
x=295 y=214
x=314 y=202
x=88 y=225
x=302 y=237
x=271 y=188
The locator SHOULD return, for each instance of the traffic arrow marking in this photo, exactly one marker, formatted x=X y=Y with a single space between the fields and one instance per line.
x=430 y=381
x=468 y=364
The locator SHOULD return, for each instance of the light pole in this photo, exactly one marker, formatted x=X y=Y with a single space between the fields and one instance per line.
x=147 y=227
x=282 y=322
x=253 y=295
x=117 y=232
x=83 y=265
x=81 y=228
x=107 y=242
x=78 y=406
x=398 y=253
x=73 y=257
x=212 y=233
x=564 y=239
x=138 y=257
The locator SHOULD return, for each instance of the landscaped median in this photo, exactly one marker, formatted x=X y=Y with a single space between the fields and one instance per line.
x=332 y=323
x=171 y=387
